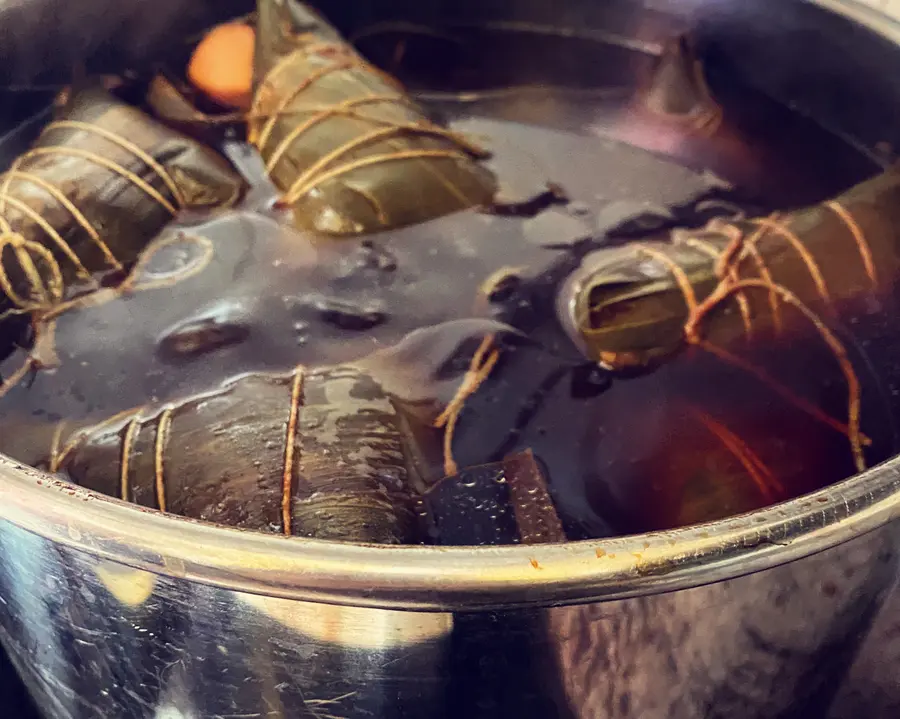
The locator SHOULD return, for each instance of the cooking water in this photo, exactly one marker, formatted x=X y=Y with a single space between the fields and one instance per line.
x=580 y=166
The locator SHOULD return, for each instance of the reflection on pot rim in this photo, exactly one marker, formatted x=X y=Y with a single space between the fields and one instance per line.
x=442 y=578
x=454 y=578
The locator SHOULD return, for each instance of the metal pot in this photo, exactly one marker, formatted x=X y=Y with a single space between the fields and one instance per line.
x=111 y=611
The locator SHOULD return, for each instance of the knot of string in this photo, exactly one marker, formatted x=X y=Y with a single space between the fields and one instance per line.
x=37 y=263
x=339 y=58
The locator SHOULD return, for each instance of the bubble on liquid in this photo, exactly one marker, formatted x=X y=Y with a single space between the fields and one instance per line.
x=169 y=262
x=342 y=313
x=369 y=256
x=301 y=332
x=502 y=286
x=223 y=325
x=578 y=209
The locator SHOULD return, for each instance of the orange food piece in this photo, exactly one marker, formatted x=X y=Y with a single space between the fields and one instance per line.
x=222 y=65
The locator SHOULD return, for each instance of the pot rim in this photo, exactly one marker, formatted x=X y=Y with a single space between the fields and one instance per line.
x=456 y=578
x=427 y=578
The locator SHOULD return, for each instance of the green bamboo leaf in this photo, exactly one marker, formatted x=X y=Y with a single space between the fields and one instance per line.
x=343 y=141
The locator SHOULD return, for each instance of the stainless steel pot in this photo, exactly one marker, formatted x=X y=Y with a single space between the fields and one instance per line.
x=110 y=611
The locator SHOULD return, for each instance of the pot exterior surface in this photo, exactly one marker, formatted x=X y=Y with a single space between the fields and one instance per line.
x=96 y=639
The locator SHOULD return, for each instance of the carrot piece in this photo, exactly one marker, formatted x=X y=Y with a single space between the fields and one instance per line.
x=222 y=65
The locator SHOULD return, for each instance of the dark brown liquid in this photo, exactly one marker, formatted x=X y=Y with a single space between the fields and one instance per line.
x=621 y=454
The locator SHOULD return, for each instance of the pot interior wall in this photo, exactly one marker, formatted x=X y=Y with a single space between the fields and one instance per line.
x=819 y=63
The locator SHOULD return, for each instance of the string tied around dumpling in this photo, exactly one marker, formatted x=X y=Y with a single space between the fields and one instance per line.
x=39 y=261
x=334 y=58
